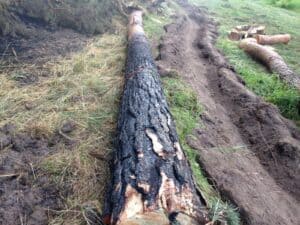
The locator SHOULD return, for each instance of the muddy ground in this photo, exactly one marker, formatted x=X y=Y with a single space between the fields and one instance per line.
x=27 y=193
x=26 y=58
x=43 y=45
x=249 y=151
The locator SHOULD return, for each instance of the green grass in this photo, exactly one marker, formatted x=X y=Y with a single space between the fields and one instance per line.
x=295 y=5
x=186 y=111
x=257 y=78
x=153 y=25
x=287 y=4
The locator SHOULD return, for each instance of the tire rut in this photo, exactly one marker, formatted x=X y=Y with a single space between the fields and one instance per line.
x=246 y=147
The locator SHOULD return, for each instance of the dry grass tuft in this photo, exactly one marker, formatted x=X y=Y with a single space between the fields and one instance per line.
x=85 y=89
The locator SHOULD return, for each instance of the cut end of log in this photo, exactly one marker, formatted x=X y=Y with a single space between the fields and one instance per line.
x=236 y=35
x=135 y=26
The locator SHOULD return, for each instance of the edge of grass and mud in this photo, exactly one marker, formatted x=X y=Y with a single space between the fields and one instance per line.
x=186 y=111
x=256 y=77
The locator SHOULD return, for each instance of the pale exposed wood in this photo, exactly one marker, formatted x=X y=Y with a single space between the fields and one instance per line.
x=255 y=30
x=235 y=35
x=273 y=39
x=243 y=27
x=135 y=26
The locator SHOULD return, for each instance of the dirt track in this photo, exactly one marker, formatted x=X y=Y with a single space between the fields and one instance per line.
x=250 y=152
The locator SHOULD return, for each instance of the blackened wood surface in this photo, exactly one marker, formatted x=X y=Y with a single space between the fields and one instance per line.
x=152 y=179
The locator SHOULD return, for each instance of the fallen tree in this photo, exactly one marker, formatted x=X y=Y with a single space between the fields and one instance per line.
x=271 y=59
x=273 y=39
x=152 y=180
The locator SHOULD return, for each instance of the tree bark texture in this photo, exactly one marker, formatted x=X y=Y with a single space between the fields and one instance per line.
x=271 y=59
x=273 y=39
x=152 y=180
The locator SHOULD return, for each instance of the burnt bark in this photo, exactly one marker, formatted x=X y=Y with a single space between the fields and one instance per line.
x=152 y=180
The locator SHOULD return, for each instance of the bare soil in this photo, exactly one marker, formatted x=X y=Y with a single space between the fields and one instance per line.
x=249 y=151
x=43 y=45
x=27 y=194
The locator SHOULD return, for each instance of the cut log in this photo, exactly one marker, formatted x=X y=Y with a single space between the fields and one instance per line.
x=152 y=180
x=254 y=30
x=271 y=59
x=236 y=35
x=260 y=29
x=273 y=39
x=243 y=27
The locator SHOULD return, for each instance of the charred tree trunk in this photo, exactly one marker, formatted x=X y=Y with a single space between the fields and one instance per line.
x=152 y=180
x=271 y=59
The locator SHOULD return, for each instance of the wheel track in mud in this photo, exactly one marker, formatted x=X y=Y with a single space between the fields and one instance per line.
x=247 y=148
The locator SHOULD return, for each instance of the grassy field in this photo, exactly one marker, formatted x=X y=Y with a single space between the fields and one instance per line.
x=295 y=5
x=277 y=20
x=287 y=4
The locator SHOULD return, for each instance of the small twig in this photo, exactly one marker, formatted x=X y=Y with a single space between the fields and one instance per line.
x=32 y=169
x=21 y=219
x=64 y=211
x=66 y=136
x=9 y=175
x=4 y=52
x=15 y=53
x=269 y=149
x=87 y=220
